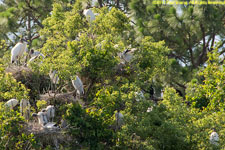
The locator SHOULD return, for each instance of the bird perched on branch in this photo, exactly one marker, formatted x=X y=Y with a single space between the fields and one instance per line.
x=25 y=108
x=119 y=119
x=127 y=54
x=54 y=79
x=18 y=50
x=35 y=53
x=214 y=138
x=50 y=112
x=78 y=85
x=89 y=15
x=11 y=103
x=42 y=117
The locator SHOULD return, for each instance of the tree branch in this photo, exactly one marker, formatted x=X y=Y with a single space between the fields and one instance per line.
x=212 y=43
x=202 y=56
x=37 y=21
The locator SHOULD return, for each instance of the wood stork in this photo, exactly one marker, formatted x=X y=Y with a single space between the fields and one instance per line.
x=18 y=50
x=36 y=53
x=51 y=125
x=35 y=57
x=90 y=16
x=42 y=118
x=161 y=94
x=119 y=119
x=25 y=108
x=78 y=85
x=50 y=112
x=54 y=79
x=214 y=138
x=127 y=54
x=11 y=103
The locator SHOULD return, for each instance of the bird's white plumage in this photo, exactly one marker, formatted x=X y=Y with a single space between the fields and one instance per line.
x=214 y=138
x=42 y=118
x=18 y=50
x=89 y=15
x=54 y=77
x=35 y=53
x=25 y=108
x=50 y=125
x=127 y=55
x=78 y=85
x=11 y=103
x=33 y=58
x=50 y=112
x=161 y=94
x=119 y=119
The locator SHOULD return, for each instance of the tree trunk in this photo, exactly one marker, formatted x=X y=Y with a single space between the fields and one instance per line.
x=100 y=3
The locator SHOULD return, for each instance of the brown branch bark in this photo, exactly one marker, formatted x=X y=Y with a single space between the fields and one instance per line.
x=37 y=21
x=202 y=57
x=100 y=3
x=212 y=43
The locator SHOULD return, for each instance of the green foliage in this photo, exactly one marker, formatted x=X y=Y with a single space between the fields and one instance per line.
x=12 y=135
x=88 y=127
x=168 y=51
x=81 y=47
x=151 y=59
x=189 y=33
x=4 y=54
x=150 y=130
x=10 y=88
x=41 y=104
x=208 y=91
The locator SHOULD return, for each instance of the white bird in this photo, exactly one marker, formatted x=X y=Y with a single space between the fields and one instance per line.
x=139 y=96
x=42 y=118
x=214 y=138
x=35 y=57
x=119 y=119
x=25 y=108
x=162 y=92
x=50 y=112
x=127 y=54
x=36 y=53
x=11 y=103
x=90 y=16
x=26 y=50
x=18 y=50
x=78 y=85
x=54 y=77
x=51 y=125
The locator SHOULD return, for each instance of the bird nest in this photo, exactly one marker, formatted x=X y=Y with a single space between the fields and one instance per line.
x=66 y=97
x=49 y=136
x=35 y=128
x=61 y=97
x=17 y=71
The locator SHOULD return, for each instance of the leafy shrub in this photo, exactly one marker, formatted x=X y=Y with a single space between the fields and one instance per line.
x=13 y=133
x=88 y=128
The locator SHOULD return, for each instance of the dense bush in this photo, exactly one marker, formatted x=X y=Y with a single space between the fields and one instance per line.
x=13 y=134
x=92 y=50
x=88 y=128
